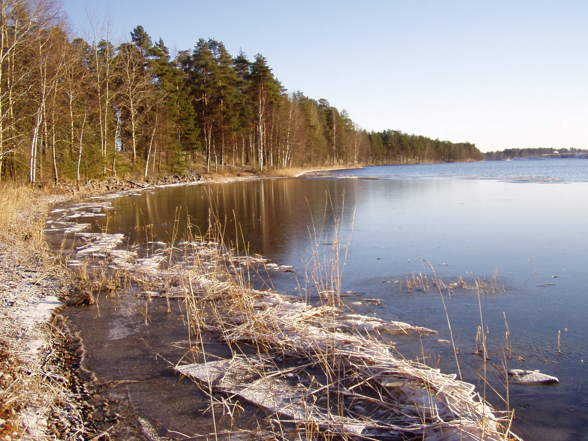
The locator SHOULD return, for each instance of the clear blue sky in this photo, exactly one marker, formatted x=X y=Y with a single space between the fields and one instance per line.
x=497 y=73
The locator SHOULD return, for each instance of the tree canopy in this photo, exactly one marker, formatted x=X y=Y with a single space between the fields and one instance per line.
x=77 y=110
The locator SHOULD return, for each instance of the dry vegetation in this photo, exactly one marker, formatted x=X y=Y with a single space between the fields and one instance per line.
x=36 y=401
x=21 y=217
x=20 y=240
x=422 y=282
x=320 y=372
x=10 y=392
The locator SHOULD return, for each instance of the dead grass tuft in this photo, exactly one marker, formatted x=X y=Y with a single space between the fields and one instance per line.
x=327 y=372
x=84 y=288
x=19 y=222
x=422 y=282
x=11 y=393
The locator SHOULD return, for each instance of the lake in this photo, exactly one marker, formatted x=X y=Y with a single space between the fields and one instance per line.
x=517 y=227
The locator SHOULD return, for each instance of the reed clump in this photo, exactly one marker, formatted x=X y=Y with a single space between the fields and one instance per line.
x=12 y=385
x=84 y=288
x=21 y=219
x=423 y=282
x=319 y=371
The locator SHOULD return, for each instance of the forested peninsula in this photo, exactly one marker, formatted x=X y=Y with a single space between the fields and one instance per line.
x=538 y=152
x=73 y=110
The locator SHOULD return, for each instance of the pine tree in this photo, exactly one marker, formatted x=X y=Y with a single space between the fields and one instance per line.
x=265 y=91
x=177 y=117
x=202 y=76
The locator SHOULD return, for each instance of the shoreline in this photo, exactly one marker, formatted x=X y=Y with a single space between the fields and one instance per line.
x=298 y=335
x=48 y=305
x=28 y=271
x=31 y=284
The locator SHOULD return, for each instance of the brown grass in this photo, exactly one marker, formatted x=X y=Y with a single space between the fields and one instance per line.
x=11 y=392
x=31 y=388
x=21 y=235
x=423 y=282
x=21 y=217
x=347 y=372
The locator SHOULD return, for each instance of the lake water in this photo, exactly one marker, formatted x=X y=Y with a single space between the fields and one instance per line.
x=520 y=226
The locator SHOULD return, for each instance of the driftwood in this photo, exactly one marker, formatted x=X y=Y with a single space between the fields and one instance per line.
x=137 y=184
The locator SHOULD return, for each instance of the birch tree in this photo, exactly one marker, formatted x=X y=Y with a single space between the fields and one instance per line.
x=134 y=88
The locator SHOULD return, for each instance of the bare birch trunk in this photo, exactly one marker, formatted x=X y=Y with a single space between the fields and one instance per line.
x=133 y=128
x=150 y=147
x=34 y=144
x=334 y=136
x=80 y=150
x=54 y=147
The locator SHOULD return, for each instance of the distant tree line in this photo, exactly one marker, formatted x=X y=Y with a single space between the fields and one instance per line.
x=75 y=110
x=395 y=146
x=537 y=152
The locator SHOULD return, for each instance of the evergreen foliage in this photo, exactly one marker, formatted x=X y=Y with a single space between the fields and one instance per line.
x=77 y=110
x=537 y=152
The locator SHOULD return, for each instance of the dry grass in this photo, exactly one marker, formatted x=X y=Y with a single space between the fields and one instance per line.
x=37 y=401
x=21 y=237
x=11 y=392
x=346 y=379
x=423 y=282
x=33 y=392
x=21 y=219
x=85 y=288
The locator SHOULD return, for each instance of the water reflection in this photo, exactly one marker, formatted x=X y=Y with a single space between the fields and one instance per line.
x=532 y=235
x=271 y=215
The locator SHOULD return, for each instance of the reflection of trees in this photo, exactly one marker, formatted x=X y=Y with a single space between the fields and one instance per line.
x=269 y=214
x=273 y=213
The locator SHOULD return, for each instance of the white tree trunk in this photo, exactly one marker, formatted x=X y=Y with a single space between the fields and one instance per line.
x=80 y=150
x=150 y=148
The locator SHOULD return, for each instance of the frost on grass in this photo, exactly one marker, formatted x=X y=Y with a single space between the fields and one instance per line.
x=328 y=371
x=319 y=368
